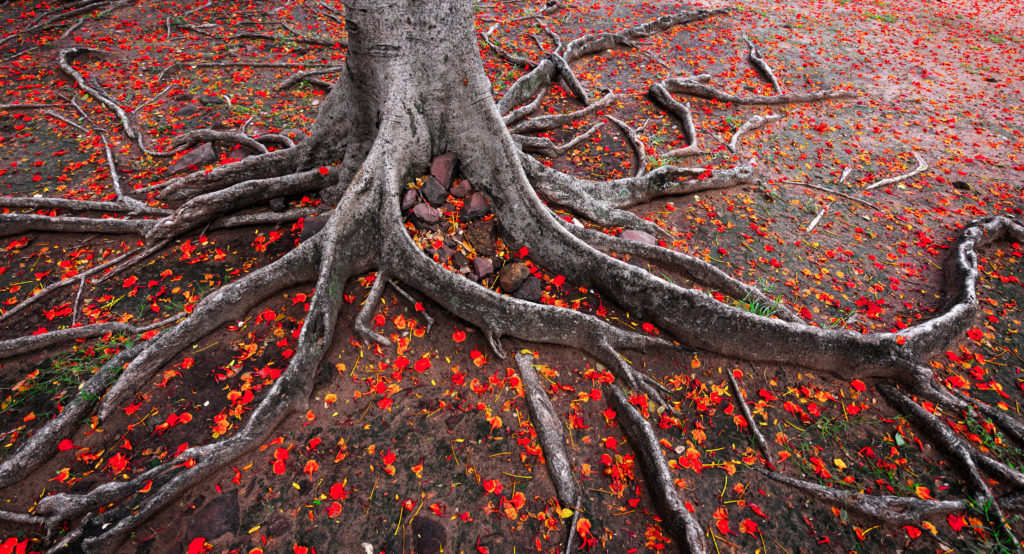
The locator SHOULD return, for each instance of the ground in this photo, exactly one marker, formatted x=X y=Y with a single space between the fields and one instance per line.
x=429 y=441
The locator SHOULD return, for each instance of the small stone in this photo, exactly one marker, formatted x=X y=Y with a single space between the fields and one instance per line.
x=425 y=213
x=482 y=267
x=639 y=236
x=443 y=168
x=529 y=290
x=461 y=189
x=511 y=276
x=409 y=199
x=433 y=192
x=297 y=135
x=429 y=536
x=194 y=159
x=187 y=110
x=460 y=261
x=182 y=97
x=443 y=254
x=476 y=206
x=312 y=225
x=481 y=237
x=278 y=205
x=961 y=185
x=210 y=100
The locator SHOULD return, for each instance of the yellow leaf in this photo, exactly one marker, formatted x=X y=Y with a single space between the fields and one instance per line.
x=839 y=463
x=565 y=513
x=253 y=530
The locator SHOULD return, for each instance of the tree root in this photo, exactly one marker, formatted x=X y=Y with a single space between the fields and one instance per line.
x=697 y=86
x=751 y=124
x=677 y=520
x=757 y=60
x=634 y=143
x=32 y=343
x=660 y=94
x=700 y=272
x=64 y=58
x=896 y=510
x=274 y=164
x=549 y=433
x=306 y=76
x=546 y=147
x=549 y=122
x=17 y=224
x=922 y=166
x=34 y=203
x=759 y=439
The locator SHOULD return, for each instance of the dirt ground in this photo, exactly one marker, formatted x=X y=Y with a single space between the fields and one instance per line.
x=427 y=446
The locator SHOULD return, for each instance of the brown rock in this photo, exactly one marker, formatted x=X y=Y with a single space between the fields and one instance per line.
x=443 y=168
x=409 y=199
x=482 y=267
x=433 y=192
x=476 y=206
x=462 y=189
x=194 y=159
x=425 y=213
x=481 y=237
x=312 y=225
x=529 y=290
x=511 y=276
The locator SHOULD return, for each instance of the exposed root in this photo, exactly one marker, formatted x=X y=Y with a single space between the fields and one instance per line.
x=546 y=147
x=361 y=325
x=307 y=76
x=700 y=272
x=603 y=201
x=64 y=58
x=759 y=439
x=697 y=86
x=274 y=164
x=193 y=138
x=42 y=445
x=516 y=116
x=757 y=60
x=34 y=203
x=956 y=451
x=408 y=297
x=32 y=343
x=890 y=509
x=211 y=205
x=545 y=73
x=121 y=196
x=549 y=433
x=549 y=122
x=228 y=303
x=17 y=224
x=502 y=52
x=660 y=94
x=751 y=124
x=677 y=520
x=634 y=143
x=922 y=166
x=569 y=78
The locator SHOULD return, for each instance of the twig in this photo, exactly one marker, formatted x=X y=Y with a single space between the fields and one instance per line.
x=762 y=444
x=751 y=124
x=817 y=218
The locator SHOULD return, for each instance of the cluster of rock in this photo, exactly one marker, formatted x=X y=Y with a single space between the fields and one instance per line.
x=430 y=203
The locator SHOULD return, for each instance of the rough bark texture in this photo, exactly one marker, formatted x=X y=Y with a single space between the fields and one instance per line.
x=413 y=87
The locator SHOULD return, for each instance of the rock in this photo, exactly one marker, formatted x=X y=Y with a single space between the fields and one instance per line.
x=443 y=253
x=961 y=185
x=188 y=110
x=443 y=168
x=425 y=213
x=481 y=237
x=529 y=290
x=409 y=199
x=511 y=276
x=476 y=206
x=210 y=100
x=182 y=97
x=428 y=536
x=216 y=518
x=460 y=261
x=639 y=236
x=312 y=225
x=238 y=153
x=461 y=189
x=482 y=267
x=194 y=159
x=297 y=135
x=277 y=205
x=433 y=192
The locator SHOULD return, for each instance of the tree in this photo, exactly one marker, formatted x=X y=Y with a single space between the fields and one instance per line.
x=413 y=88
